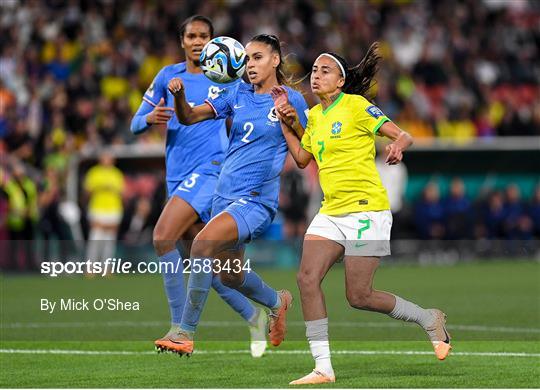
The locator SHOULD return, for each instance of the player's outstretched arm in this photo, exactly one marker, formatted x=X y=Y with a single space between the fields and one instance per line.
x=300 y=156
x=402 y=140
x=186 y=114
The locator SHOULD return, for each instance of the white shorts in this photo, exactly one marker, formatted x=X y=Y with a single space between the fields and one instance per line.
x=105 y=218
x=361 y=234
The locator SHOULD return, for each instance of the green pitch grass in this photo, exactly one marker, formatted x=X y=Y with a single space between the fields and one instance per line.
x=493 y=312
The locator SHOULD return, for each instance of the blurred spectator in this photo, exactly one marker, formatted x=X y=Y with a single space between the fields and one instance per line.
x=534 y=211
x=104 y=184
x=31 y=213
x=495 y=215
x=16 y=220
x=51 y=223
x=514 y=210
x=136 y=227
x=457 y=210
x=394 y=179
x=429 y=214
x=293 y=199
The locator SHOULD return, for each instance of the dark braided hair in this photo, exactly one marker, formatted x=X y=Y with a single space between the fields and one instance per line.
x=274 y=43
x=196 y=18
x=359 y=78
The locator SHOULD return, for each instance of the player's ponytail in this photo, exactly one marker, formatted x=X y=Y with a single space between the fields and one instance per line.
x=359 y=78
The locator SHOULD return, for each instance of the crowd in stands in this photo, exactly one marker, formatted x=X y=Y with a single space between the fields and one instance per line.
x=503 y=214
x=73 y=73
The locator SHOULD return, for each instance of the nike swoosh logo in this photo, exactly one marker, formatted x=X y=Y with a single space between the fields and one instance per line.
x=359 y=245
x=177 y=342
x=447 y=341
x=236 y=107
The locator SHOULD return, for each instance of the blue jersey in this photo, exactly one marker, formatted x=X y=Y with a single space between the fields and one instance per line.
x=257 y=148
x=187 y=147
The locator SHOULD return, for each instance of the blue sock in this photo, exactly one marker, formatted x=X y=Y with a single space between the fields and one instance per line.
x=197 y=292
x=234 y=298
x=174 y=285
x=255 y=289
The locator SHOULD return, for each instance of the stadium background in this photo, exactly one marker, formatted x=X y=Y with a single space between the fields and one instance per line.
x=461 y=76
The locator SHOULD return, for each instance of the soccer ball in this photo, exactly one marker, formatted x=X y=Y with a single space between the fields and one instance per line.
x=223 y=60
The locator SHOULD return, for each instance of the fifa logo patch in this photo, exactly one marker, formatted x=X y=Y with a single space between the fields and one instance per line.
x=150 y=90
x=214 y=91
x=374 y=111
x=336 y=129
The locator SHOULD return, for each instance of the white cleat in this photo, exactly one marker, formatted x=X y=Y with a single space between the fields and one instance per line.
x=314 y=378
x=258 y=334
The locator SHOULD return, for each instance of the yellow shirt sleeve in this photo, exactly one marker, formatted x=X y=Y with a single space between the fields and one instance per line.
x=369 y=116
x=89 y=181
x=306 y=138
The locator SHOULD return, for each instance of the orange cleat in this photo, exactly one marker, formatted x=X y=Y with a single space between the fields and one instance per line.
x=439 y=336
x=177 y=342
x=314 y=378
x=278 y=325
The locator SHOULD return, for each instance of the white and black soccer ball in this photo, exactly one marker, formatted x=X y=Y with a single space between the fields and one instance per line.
x=223 y=60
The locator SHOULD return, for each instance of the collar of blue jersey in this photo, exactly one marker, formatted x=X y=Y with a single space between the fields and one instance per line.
x=251 y=87
x=181 y=67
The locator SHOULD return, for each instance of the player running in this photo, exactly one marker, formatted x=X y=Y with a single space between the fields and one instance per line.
x=354 y=220
x=246 y=197
x=194 y=155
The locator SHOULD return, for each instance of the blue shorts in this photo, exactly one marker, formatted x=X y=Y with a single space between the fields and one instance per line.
x=252 y=218
x=197 y=189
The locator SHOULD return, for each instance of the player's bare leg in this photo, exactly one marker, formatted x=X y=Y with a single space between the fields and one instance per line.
x=217 y=236
x=221 y=234
x=318 y=256
x=257 y=326
x=359 y=274
x=176 y=219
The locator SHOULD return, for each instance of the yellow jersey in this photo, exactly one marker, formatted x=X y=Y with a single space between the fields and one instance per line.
x=105 y=185
x=342 y=141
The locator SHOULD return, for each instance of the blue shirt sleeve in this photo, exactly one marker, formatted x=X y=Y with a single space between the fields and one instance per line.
x=223 y=103
x=138 y=122
x=151 y=98
x=158 y=89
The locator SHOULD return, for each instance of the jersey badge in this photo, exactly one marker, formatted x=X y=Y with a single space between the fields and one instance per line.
x=374 y=111
x=272 y=116
x=336 y=130
x=213 y=91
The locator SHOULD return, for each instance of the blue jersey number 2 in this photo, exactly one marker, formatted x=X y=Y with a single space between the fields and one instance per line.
x=249 y=128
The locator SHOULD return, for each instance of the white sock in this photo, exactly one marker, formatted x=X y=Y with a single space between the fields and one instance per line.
x=317 y=335
x=411 y=312
x=94 y=244
x=109 y=245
